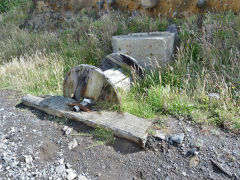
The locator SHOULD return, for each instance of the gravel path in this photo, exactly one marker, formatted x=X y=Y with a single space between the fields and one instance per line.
x=33 y=145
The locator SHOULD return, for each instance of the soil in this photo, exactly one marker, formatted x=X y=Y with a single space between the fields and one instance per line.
x=26 y=132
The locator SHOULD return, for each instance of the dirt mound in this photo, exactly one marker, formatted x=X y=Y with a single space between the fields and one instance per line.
x=52 y=14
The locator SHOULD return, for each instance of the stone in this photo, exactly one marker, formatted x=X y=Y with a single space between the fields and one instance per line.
x=111 y=2
x=149 y=3
x=68 y=166
x=160 y=135
x=193 y=151
x=72 y=144
x=67 y=130
x=177 y=138
x=61 y=161
x=81 y=177
x=60 y=169
x=214 y=95
x=148 y=49
x=100 y=5
x=28 y=159
x=201 y=3
x=71 y=175
x=194 y=161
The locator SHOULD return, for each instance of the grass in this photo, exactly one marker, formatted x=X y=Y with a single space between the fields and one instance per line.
x=206 y=61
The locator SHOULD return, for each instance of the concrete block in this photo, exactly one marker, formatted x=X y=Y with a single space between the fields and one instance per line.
x=149 y=49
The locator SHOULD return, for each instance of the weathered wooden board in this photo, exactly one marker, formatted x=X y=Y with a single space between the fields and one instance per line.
x=122 y=124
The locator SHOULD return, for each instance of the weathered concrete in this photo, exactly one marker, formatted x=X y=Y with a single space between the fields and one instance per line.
x=149 y=49
x=122 y=124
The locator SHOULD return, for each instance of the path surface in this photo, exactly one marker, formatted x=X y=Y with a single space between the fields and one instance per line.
x=33 y=146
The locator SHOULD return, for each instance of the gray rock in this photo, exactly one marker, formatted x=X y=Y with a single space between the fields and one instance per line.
x=100 y=4
x=60 y=169
x=81 y=177
x=28 y=159
x=111 y=2
x=201 y=3
x=72 y=144
x=149 y=3
x=160 y=135
x=172 y=28
x=68 y=166
x=193 y=151
x=67 y=130
x=177 y=138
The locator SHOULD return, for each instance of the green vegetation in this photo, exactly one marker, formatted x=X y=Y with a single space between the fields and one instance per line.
x=206 y=61
x=5 y=5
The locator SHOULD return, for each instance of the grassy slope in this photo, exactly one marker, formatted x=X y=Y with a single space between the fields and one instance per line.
x=207 y=61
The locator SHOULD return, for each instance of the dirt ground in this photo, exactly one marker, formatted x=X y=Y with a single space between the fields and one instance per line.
x=33 y=146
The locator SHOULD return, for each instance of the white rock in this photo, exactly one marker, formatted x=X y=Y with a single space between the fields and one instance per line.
x=160 y=134
x=81 y=177
x=61 y=161
x=60 y=169
x=69 y=170
x=68 y=166
x=71 y=176
x=149 y=3
x=67 y=130
x=72 y=144
x=28 y=159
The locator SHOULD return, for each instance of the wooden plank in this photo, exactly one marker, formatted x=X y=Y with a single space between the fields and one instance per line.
x=123 y=125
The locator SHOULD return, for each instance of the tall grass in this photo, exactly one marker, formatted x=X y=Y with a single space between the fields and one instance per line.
x=206 y=61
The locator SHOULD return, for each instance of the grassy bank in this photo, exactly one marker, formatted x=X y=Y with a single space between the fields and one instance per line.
x=206 y=61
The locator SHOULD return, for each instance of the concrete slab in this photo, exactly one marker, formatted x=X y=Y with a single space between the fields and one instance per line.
x=147 y=48
x=123 y=125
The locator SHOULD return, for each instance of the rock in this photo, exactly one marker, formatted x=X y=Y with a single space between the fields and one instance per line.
x=100 y=5
x=193 y=151
x=61 y=161
x=72 y=144
x=194 y=161
x=68 y=166
x=81 y=177
x=67 y=130
x=111 y=2
x=60 y=169
x=214 y=95
x=177 y=138
x=28 y=159
x=174 y=14
x=172 y=28
x=71 y=175
x=160 y=134
x=149 y=3
x=201 y=3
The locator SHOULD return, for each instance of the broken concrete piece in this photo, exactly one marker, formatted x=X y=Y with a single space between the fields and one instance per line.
x=123 y=125
x=149 y=49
